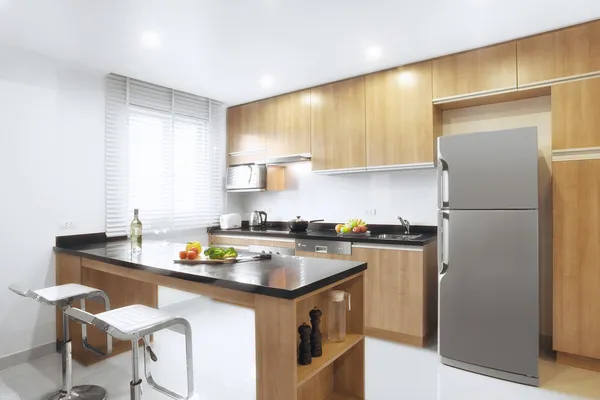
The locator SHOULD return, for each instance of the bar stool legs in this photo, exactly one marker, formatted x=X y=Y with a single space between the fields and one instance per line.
x=68 y=391
x=135 y=386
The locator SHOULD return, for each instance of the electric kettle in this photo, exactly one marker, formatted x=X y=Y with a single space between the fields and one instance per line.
x=257 y=221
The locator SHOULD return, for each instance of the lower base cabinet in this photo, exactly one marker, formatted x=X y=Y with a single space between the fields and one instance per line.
x=400 y=291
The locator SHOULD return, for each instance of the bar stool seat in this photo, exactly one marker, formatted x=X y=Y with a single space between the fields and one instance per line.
x=75 y=291
x=131 y=319
x=137 y=322
x=63 y=296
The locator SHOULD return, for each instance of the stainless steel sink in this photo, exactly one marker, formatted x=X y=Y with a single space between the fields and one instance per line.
x=399 y=237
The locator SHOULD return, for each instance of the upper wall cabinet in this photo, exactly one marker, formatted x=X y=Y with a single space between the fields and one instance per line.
x=483 y=71
x=559 y=55
x=402 y=124
x=338 y=125
x=286 y=121
x=575 y=117
x=246 y=140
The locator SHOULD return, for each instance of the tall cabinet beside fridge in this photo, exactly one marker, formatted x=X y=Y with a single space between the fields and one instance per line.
x=488 y=253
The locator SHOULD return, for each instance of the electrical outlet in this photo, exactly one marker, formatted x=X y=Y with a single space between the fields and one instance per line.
x=66 y=224
x=370 y=211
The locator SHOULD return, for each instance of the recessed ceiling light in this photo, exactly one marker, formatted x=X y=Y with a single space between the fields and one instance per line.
x=151 y=39
x=266 y=81
x=373 y=53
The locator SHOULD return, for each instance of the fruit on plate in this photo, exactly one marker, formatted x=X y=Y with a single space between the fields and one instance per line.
x=354 y=225
x=192 y=255
x=182 y=255
x=193 y=245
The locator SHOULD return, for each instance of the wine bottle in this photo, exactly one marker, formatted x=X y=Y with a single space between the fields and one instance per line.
x=136 y=233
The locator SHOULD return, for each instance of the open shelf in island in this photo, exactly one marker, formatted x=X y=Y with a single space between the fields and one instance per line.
x=331 y=352
x=339 y=373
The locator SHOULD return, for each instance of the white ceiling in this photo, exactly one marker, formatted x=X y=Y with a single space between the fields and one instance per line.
x=221 y=48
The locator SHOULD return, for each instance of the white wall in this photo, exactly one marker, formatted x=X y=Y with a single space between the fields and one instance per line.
x=51 y=168
x=337 y=198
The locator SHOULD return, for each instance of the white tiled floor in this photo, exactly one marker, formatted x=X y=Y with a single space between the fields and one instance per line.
x=225 y=369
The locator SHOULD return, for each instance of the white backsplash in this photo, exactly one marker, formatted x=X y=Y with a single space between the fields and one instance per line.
x=336 y=198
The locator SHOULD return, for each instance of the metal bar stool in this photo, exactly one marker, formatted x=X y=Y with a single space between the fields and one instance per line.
x=137 y=322
x=63 y=296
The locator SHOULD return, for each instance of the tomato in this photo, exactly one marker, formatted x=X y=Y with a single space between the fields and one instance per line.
x=195 y=250
x=182 y=255
x=191 y=255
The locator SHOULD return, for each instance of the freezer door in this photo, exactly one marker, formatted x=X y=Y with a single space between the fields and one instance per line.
x=488 y=289
x=489 y=170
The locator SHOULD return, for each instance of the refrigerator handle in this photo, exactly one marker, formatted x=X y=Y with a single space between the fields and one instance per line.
x=442 y=238
x=443 y=201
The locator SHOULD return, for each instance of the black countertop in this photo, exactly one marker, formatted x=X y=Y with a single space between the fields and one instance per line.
x=326 y=232
x=285 y=277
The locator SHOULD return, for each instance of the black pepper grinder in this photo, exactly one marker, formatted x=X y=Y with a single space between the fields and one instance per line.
x=316 y=339
x=304 y=357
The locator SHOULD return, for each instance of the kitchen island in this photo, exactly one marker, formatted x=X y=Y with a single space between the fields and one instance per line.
x=281 y=291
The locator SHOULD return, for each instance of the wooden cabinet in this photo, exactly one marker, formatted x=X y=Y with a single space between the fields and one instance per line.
x=338 y=125
x=557 y=55
x=246 y=139
x=400 y=291
x=476 y=72
x=286 y=122
x=231 y=240
x=401 y=123
x=575 y=116
x=576 y=190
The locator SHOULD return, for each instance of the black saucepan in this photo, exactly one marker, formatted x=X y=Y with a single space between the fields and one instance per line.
x=299 y=225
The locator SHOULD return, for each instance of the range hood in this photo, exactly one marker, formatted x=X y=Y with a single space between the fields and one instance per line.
x=288 y=159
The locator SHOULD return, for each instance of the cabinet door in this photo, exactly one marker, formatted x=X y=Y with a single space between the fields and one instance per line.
x=575 y=116
x=394 y=299
x=488 y=69
x=401 y=121
x=576 y=189
x=287 y=118
x=560 y=54
x=243 y=128
x=338 y=125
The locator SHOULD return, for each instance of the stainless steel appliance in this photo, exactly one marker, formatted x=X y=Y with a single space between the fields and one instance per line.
x=246 y=178
x=488 y=253
x=257 y=221
x=280 y=251
x=324 y=246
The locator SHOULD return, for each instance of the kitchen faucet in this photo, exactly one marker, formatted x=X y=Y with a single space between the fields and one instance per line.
x=405 y=224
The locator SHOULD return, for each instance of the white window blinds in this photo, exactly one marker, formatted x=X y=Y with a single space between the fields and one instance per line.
x=165 y=154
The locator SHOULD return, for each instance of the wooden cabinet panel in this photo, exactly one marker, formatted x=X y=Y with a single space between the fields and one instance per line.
x=338 y=125
x=560 y=54
x=244 y=241
x=394 y=290
x=576 y=237
x=487 y=69
x=575 y=116
x=286 y=121
x=244 y=133
x=400 y=119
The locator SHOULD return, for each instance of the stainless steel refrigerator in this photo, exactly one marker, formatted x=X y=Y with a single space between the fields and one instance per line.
x=488 y=253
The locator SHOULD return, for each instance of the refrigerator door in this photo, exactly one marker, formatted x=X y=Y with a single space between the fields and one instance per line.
x=489 y=170
x=488 y=291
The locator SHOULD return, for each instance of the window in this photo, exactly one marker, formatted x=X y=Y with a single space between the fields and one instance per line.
x=165 y=154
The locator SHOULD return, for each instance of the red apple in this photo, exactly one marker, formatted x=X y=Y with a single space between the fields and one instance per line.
x=356 y=229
